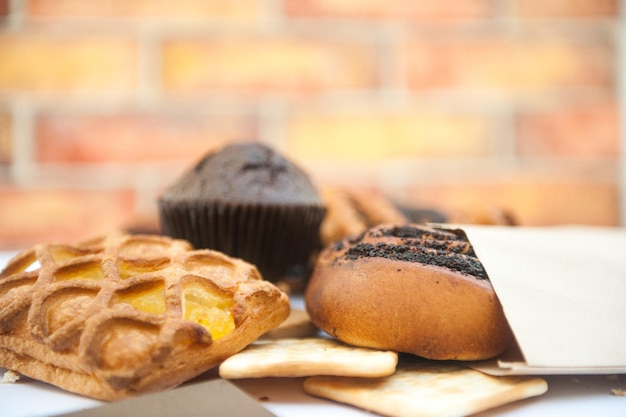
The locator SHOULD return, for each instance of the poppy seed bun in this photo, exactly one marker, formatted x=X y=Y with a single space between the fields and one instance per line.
x=411 y=289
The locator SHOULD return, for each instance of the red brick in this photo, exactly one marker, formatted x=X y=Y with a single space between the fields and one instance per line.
x=160 y=10
x=4 y=8
x=260 y=64
x=591 y=131
x=55 y=63
x=531 y=203
x=567 y=8
x=511 y=65
x=444 y=10
x=135 y=137
x=5 y=138
x=373 y=135
x=29 y=216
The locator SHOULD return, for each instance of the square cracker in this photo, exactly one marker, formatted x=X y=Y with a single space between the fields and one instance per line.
x=426 y=388
x=307 y=357
x=297 y=325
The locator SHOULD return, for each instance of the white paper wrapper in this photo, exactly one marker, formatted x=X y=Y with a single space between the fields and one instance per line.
x=563 y=290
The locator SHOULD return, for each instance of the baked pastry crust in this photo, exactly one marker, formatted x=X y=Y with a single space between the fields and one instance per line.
x=410 y=289
x=127 y=314
x=351 y=211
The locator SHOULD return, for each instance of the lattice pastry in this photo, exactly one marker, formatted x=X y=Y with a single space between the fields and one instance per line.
x=122 y=315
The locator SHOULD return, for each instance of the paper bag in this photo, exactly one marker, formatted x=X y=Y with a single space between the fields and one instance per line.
x=563 y=290
x=216 y=397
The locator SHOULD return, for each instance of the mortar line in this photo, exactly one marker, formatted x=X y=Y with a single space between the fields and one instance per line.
x=23 y=141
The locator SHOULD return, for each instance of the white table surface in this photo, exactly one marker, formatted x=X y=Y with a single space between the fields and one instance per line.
x=568 y=395
x=571 y=396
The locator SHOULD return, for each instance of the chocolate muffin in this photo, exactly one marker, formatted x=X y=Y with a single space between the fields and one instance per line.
x=249 y=202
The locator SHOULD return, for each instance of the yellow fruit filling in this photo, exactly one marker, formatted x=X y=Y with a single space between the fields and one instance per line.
x=63 y=253
x=210 y=309
x=147 y=298
x=91 y=271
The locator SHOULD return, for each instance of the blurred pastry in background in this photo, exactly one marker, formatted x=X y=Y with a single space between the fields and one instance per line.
x=422 y=215
x=489 y=216
x=143 y=224
x=351 y=211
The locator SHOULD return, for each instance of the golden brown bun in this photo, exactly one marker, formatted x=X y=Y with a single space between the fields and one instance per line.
x=392 y=298
x=124 y=315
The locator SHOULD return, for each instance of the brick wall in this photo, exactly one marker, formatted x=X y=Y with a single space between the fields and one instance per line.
x=463 y=106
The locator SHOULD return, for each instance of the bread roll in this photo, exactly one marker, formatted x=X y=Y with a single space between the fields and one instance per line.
x=411 y=289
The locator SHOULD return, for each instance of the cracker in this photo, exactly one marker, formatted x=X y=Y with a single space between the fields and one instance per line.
x=297 y=325
x=426 y=388
x=307 y=357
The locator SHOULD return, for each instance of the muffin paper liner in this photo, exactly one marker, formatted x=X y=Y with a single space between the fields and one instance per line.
x=276 y=238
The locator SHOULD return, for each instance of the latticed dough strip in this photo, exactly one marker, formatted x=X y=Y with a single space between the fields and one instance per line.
x=126 y=314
